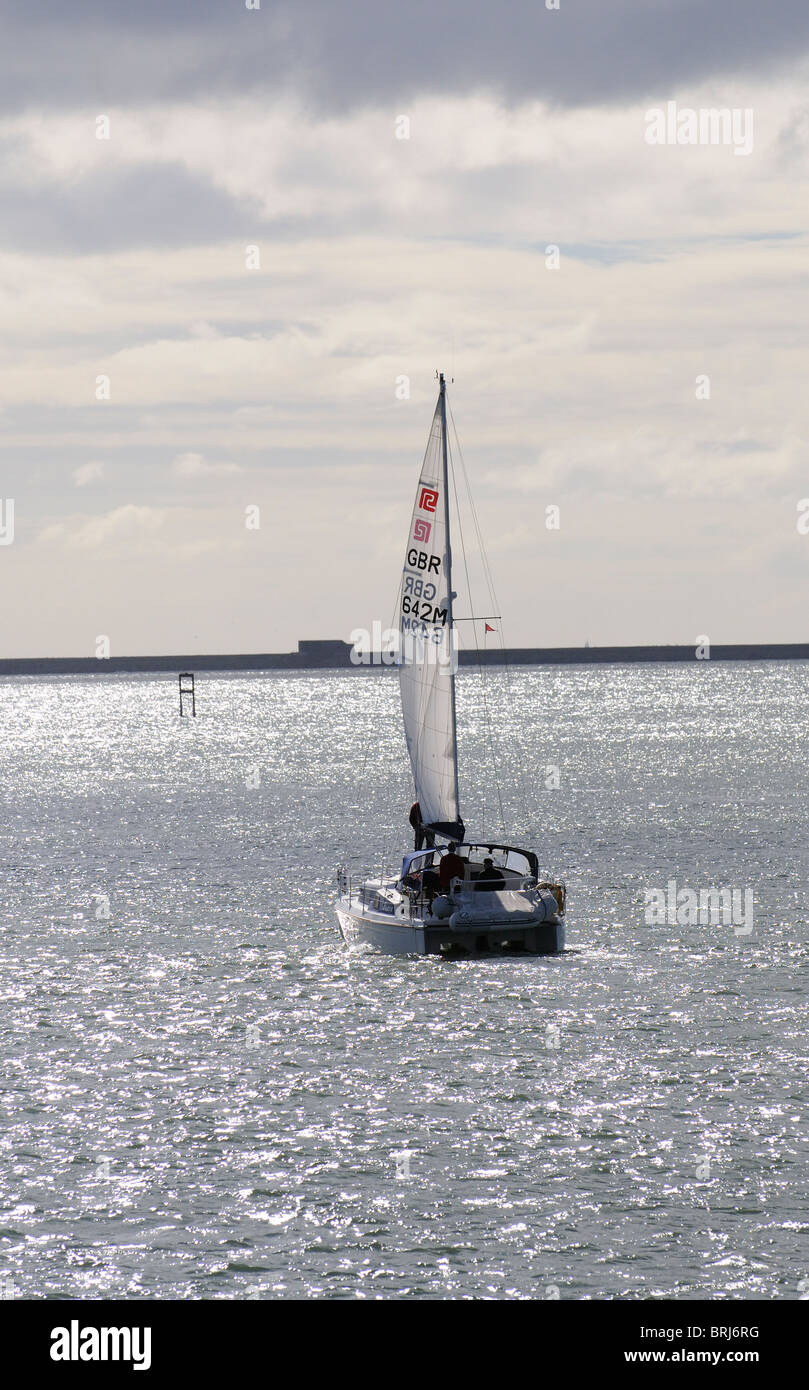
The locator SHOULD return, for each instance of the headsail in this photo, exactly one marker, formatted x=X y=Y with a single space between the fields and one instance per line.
x=427 y=653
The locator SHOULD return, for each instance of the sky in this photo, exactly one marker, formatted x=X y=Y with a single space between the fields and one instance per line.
x=237 y=243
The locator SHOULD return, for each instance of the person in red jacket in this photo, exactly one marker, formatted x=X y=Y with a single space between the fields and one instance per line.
x=423 y=835
x=451 y=866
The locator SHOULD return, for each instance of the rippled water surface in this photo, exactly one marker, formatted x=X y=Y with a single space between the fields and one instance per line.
x=205 y=1095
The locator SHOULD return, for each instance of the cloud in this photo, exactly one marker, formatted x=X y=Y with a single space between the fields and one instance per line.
x=87 y=473
x=346 y=54
x=195 y=466
x=273 y=174
x=126 y=527
x=382 y=259
x=120 y=205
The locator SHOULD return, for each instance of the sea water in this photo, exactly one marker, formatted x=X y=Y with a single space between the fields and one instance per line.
x=205 y=1094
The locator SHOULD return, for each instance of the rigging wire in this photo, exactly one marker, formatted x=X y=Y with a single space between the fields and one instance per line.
x=524 y=795
x=487 y=721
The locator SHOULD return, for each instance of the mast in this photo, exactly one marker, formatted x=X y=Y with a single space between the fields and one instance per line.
x=443 y=400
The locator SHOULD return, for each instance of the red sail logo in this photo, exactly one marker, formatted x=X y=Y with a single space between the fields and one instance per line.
x=428 y=499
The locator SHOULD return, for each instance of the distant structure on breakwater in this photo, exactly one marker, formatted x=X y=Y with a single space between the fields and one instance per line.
x=336 y=655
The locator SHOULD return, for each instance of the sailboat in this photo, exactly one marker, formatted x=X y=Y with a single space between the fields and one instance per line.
x=453 y=895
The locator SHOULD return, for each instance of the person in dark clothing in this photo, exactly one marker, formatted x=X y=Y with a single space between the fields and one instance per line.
x=422 y=834
x=491 y=880
x=451 y=866
x=429 y=885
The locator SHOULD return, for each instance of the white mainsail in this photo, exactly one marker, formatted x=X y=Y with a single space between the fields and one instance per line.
x=427 y=652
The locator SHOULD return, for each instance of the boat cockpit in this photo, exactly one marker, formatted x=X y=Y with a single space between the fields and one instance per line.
x=518 y=867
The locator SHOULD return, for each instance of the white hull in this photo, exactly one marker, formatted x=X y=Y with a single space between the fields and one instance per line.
x=403 y=935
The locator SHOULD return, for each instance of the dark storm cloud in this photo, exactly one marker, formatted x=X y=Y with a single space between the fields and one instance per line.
x=344 y=53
